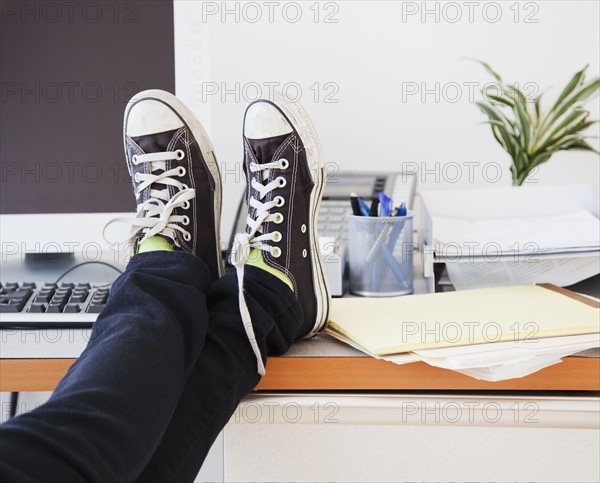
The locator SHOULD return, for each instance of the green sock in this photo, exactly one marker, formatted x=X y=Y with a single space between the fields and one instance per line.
x=154 y=244
x=255 y=259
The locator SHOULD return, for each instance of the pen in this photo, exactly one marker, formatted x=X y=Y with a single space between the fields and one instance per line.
x=354 y=204
x=401 y=211
x=364 y=208
x=386 y=204
x=374 y=211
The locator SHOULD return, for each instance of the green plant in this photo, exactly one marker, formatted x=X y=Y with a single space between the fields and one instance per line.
x=529 y=136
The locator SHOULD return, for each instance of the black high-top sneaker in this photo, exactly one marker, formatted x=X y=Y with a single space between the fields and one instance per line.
x=176 y=180
x=284 y=168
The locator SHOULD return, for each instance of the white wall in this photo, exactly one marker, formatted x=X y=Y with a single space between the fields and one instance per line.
x=370 y=62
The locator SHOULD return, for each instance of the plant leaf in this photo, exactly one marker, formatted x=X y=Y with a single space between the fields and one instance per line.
x=508 y=140
x=580 y=127
x=575 y=81
x=576 y=116
x=581 y=146
x=500 y=99
x=584 y=93
x=524 y=124
x=536 y=103
x=488 y=68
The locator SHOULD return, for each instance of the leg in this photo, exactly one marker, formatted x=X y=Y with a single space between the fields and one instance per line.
x=225 y=370
x=285 y=291
x=105 y=418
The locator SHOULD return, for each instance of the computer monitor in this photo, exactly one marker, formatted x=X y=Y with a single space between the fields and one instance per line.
x=67 y=71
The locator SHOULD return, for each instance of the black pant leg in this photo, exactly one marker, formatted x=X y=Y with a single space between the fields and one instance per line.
x=225 y=370
x=107 y=415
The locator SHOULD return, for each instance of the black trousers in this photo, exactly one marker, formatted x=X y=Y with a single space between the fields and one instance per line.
x=167 y=364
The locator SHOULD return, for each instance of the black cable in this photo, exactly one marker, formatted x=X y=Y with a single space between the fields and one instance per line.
x=87 y=263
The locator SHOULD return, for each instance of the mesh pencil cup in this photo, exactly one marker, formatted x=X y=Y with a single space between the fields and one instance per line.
x=380 y=251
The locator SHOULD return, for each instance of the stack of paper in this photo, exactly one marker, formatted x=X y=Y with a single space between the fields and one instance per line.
x=578 y=231
x=560 y=248
x=491 y=334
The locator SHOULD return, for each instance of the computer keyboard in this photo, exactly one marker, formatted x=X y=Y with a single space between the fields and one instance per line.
x=49 y=305
x=332 y=219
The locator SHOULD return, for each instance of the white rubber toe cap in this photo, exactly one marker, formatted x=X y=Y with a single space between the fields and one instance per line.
x=150 y=114
x=263 y=120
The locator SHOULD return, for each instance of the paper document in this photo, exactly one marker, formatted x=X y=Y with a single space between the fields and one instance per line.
x=555 y=269
x=403 y=324
x=512 y=371
x=569 y=232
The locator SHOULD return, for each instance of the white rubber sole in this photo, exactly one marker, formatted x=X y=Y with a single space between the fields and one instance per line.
x=305 y=128
x=208 y=151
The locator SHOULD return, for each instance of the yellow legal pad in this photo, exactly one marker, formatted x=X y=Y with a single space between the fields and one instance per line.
x=403 y=324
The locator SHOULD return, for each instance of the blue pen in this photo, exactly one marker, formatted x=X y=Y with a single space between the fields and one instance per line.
x=401 y=210
x=398 y=227
x=386 y=204
x=364 y=208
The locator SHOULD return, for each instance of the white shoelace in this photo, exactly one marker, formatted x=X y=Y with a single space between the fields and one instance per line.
x=244 y=242
x=154 y=215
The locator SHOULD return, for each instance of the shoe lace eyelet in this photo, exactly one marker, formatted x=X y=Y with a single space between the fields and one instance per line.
x=280 y=201
x=134 y=159
x=303 y=228
x=187 y=237
x=304 y=253
x=179 y=154
x=184 y=186
x=276 y=252
x=284 y=164
x=282 y=182
x=278 y=218
x=186 y=220
x=277 y=236
x=186 y=205
x=136 y=177
x=182 y=171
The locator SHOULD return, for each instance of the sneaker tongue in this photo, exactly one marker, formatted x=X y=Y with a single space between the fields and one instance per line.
x=265 y=148
x=155 y=143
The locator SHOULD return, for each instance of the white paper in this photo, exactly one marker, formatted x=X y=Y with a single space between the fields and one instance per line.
x=403 y=358
x=529 y=344
x=513 y=372
x=578 y=230
x=561 y=271
x=505 y=357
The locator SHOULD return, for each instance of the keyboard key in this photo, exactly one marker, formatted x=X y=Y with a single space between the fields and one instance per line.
x=18 y=294
x=10 y=286
x=94 y=309
x=12 y=305
x=55 y=308
x=67 y=285
x=29 y=285
x=49 y=286
x=37 y=308
x=72 y=309
x=85 y=286
x=9 y=308
x=42 y=297
x=76 y=298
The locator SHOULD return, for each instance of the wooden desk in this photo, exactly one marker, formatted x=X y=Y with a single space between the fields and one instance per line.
x=323 y=363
